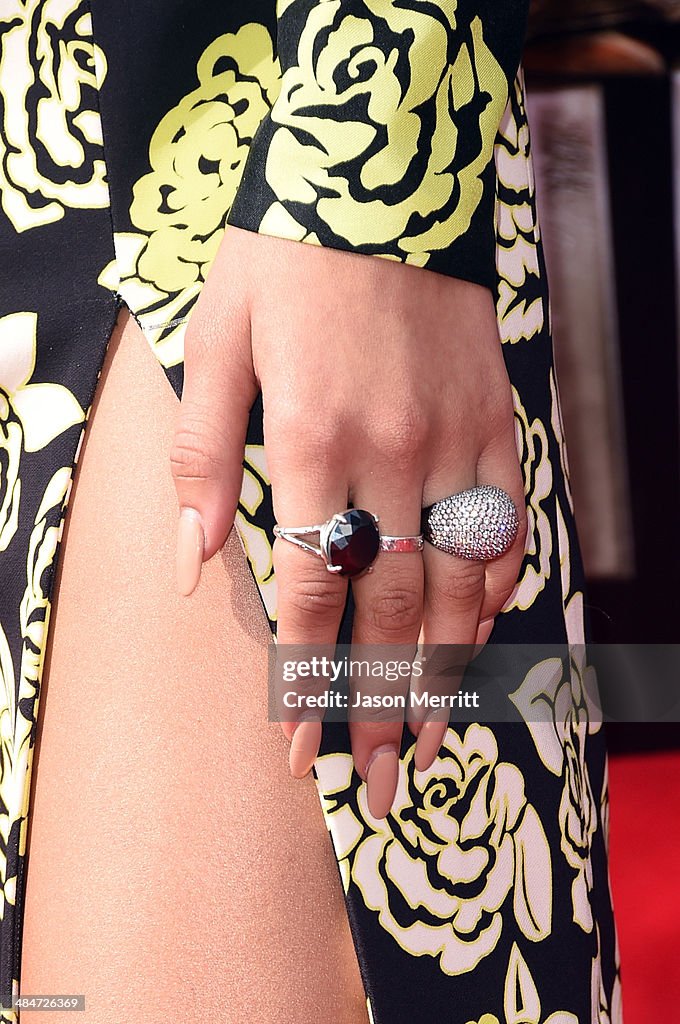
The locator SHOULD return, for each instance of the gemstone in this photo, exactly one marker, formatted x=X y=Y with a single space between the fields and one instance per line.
x=480 y=523
x=353 y=542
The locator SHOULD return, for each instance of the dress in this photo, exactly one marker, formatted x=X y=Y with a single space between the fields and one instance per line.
x=129 y=135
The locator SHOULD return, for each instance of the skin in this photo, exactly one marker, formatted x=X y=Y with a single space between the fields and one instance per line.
x=156 y=768
x=383 y=384
x=153 y=721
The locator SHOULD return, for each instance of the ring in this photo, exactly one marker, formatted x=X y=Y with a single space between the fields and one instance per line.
x=349 y=541
x=480 y=523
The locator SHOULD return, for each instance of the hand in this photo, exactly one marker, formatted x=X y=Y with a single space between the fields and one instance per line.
x=383 y=385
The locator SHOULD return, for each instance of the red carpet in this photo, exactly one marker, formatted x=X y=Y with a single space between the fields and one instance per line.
x=645 y=873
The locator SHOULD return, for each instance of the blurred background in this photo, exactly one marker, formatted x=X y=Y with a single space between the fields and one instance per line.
x=603 y=94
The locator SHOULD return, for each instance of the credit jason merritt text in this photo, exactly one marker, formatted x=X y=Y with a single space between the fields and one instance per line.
x=330 y=699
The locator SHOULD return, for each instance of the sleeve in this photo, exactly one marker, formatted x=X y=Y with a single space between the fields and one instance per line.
x=381 y=137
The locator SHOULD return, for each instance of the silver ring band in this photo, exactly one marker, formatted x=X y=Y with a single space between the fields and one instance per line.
x=402 y=544
x=349 y=541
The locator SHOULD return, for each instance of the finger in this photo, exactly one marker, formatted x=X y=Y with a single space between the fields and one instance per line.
x=454 y=591
x=484 y=630
x=311 y=599
x=388 y=611
x=206 y=457
x=499 y=465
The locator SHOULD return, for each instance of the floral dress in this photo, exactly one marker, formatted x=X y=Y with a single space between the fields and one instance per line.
x=131 y=134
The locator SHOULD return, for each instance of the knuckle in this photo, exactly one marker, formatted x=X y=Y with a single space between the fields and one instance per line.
x=191 y=455
x=313 y=598
x=403 y=434
x=463 y=588
x=282 y=416
x=396 y=611
x=317 y=445
x=496 y=408
x=303 y=686
x=303 y=435
x=496 y=596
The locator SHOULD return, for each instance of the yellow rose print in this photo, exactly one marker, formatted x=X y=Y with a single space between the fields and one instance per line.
x=197 y=154
x=334 y=777
x=11 y=441
x=461 y=848
x=253 y=538
x=391 y=128
x=605 y=1011
x=7 y=716
x=51 y=155
x=521 y=1000
x=45 y=410
x=35 y=606
x=532 y=442
x=558 y=430
x=370 y=125
x=17 y=729
x=31 y=416
x=555 y=700
x=521 y=302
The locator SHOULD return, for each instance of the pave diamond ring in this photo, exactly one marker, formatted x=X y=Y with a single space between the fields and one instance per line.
x=480 y=523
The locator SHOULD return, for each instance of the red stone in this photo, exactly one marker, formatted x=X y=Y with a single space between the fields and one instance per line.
x=354 y=543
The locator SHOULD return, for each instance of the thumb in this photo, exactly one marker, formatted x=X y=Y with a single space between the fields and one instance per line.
x=206 y=457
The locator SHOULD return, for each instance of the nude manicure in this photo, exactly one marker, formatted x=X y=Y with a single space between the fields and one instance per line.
x=381 y=781
x=190 y=547
x=430 y=739
x=304 y=747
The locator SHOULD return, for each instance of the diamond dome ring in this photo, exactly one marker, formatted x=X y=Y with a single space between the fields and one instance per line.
x=480 y=523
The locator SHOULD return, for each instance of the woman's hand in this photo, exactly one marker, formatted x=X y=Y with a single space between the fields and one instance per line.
x=383 y=385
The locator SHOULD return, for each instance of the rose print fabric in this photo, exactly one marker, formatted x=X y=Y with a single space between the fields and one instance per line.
x=381 y=135
x=131 y=135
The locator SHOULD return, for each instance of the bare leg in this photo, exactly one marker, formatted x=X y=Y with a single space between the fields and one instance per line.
x=174 y=867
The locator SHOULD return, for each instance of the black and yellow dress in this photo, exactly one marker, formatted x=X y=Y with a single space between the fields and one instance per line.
x=130 y=135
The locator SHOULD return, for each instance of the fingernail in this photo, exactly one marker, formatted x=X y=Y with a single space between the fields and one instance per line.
x=304 y=747
x=430 y=739
x=484 y=631
x=381 y=780
x=190 y=547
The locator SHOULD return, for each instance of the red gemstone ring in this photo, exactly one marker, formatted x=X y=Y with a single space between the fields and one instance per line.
x=349 y=541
